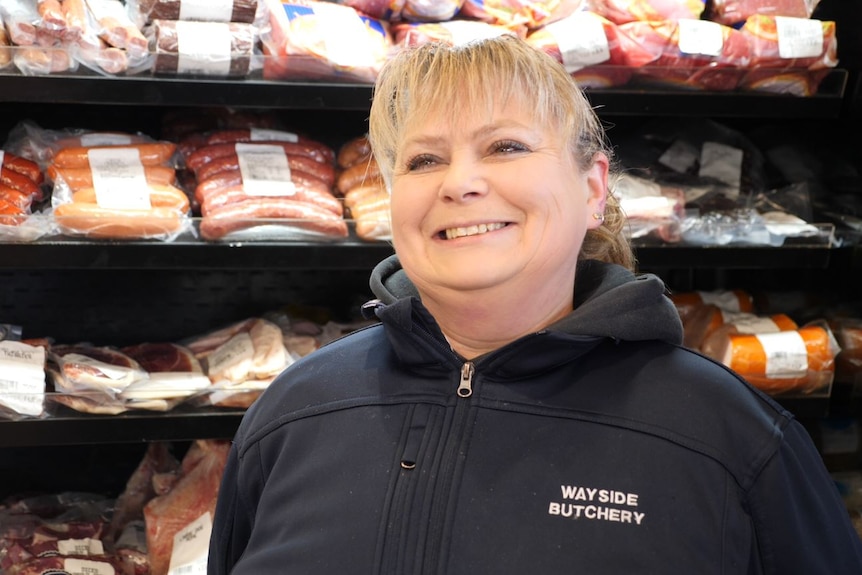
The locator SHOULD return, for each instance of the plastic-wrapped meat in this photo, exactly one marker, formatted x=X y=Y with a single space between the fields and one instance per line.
x=66 y=565
x=622 y=11
x=452 y=32
x=592 y=48
x=243 y=11
x=691 y=53
x=309 y=39
x=789 y=55
x=203 y=48
x=409 y=10
x=192 y=496
x=652 y=211
x=139 y=487
x=732 y=12
x=531 y=14
x=86 y=367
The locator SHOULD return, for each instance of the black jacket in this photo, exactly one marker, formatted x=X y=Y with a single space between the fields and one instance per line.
x=597 y=446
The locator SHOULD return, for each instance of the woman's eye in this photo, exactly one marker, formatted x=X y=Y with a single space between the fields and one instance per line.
x=420 y=161
x=508 y=146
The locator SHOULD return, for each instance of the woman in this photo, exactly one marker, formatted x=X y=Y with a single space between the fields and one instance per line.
x=524 y=404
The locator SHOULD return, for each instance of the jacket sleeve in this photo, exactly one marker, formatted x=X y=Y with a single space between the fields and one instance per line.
x=800 y=521
x=231 y=524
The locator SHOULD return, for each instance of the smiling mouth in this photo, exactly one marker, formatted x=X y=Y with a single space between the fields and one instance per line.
x=453 y=233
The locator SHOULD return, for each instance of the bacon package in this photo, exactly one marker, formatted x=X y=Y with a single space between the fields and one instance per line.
x=622 y=11
x=692 y=54
x=789 y=55
x=314 y=40
x=592 y=48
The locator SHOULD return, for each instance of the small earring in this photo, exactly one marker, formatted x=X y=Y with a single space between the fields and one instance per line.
x=599 y=217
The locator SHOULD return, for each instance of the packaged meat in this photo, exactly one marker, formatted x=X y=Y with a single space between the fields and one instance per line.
x=693 y=54
x=113 y=24
x=186 y=47
x=727 y=323
x=653 y=211
x=794 y=361
x=734 y=12
x=409 y=10
x=592 y=48
x=622 y=11
x=242 y=11
x=531 y=14
x=369 y=210
x=736 y=300
x=789 y=55
x=272 y=218
x=309 y=39
x=191 y=498
x=452 y=32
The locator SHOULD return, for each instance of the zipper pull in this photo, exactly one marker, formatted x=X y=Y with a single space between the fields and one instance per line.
x=465 y=386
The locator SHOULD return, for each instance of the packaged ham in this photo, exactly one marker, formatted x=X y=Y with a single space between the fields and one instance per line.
x=692 y=54
x=734 y=12
x=800 y=361
x=789 y=55
x=622 y=11
x=90 y=378
x=174 y=373
x=409 y=10
x=653 y=211
x=186 y=47
x=241 y=360
x=592 y=49
x=314 y=40
x=179 y=522
x=531 y=14
x=243 y=11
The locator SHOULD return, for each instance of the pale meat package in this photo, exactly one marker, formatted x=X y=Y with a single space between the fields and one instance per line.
x=39 y=32
x=531 y=14
x=409 y=10
x=312 y=40
x=116 y=186
x=365 y=196
x=241 y=360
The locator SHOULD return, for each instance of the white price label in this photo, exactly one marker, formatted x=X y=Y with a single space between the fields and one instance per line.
x=88 y=567
x=265 y=170
x=582 y=40
x=119 y=179
x=700 y=37
x=203 y=48
x=786 y=354
x=344 y=35
x=722 y=162
x=206 y=10
x=263 y=135
x=191 y=546
x=799 y=37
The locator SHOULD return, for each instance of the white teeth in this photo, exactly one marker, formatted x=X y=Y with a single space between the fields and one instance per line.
x=453 y=233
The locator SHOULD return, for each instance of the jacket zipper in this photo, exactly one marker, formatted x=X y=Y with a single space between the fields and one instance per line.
x=454 y=444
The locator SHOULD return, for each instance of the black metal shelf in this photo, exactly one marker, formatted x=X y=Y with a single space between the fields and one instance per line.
x=355 y=255
x=257 y=93
x=71 y=428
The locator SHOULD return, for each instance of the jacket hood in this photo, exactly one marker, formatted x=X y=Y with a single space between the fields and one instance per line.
x=610 y=301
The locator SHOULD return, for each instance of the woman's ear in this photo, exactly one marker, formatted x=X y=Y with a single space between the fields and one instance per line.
x=597 y=191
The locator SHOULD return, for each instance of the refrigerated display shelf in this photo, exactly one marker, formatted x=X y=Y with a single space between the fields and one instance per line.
x=256 y=93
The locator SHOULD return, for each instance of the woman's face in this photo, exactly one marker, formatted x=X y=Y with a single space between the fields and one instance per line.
x=491 y=200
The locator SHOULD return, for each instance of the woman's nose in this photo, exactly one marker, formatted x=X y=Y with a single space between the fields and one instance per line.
x=464 y=179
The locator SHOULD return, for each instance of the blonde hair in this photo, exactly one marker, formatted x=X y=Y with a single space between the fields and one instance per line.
x=465 y=79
